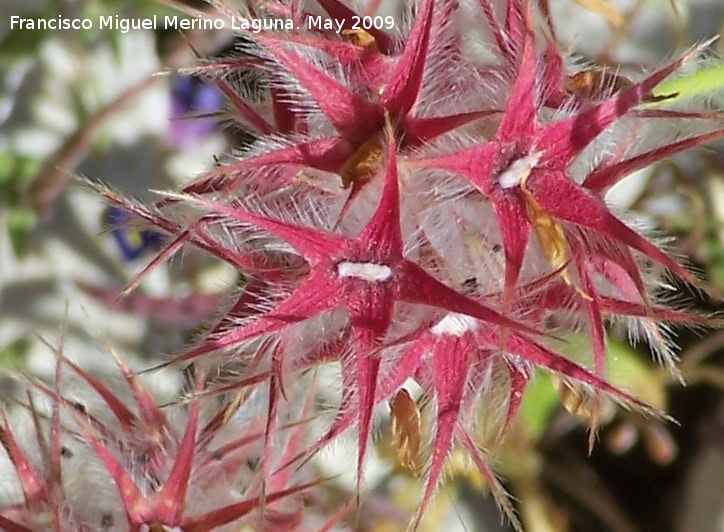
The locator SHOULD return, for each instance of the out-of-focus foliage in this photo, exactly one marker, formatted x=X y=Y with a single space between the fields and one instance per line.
x=16 y=171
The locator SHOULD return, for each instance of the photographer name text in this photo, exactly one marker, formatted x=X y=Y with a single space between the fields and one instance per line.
x=254 y=25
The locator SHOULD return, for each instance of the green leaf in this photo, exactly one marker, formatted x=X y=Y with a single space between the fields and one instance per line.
x=12 y=356
x=20 y=43
x=641 y=378
x=7 y=166
x=699 y=83
x=15 y=172
x=20 y=222
x=626 y=367
x=539 y=401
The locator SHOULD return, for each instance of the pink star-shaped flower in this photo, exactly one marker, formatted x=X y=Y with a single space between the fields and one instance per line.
x=366 y=275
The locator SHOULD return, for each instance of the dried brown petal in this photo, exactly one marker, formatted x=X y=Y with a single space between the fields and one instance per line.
x=598 y=84
x=361 y=38
x=405 y=428
x=577 y=400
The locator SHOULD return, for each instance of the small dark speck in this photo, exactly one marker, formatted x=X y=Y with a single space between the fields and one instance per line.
x=252 y=463
x=80 y=407
x=496 y=248
x=107 y=521
x=66 y=453
x=154 y=482
x=470 y=285
x=217 y=455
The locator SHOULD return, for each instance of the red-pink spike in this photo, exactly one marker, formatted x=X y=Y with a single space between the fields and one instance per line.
x=479 y=164
x=535 y=353
x=419 y=287
x=403 y=89
x=501 y=496
x=501 y=39
x=566 y=200
x=604 y=177
x=515 y=230
x=234 y=512
x=165 y=254
x=517 y=21
x=147 y=407
x=170 y=502
x=519 y=379
x=340 y=105
x=313 y=297
x=245 y=111
x=138 y=509
x=368 y=366
x=565 y=139
x=383 y=231
x=346 y=53
x=419 y=130
x=125 y=416
x=312 y=244
x=449 y=369
x=520 y=118
x=269 y=432
x=326 y=153
x=595 y=320
x=32 y=483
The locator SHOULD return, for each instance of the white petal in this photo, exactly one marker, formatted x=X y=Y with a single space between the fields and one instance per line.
x=455 y=325
x=367 y=271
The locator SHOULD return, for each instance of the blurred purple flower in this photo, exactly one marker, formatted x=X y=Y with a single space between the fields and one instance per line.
x=132 y=242
x=191 y=101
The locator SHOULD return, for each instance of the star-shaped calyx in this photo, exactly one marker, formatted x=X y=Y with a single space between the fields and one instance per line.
x=381 y=81
x=366 y=275
x=523 y=171
x=460 y=352
x=167 y=506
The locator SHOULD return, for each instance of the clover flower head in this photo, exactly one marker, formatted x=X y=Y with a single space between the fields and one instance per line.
x=410 y=213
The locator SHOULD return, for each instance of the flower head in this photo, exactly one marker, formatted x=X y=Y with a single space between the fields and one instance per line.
x=408 y=215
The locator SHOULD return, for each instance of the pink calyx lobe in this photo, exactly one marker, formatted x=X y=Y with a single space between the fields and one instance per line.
x=524 y=168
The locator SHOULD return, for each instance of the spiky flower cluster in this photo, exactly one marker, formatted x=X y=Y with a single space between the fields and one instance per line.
x=92 y=455
x=414 y=212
